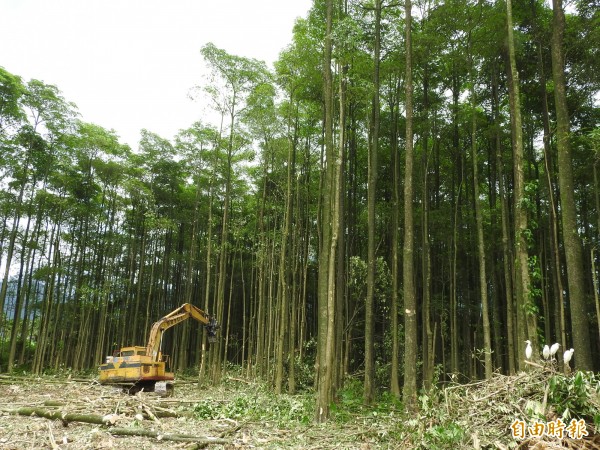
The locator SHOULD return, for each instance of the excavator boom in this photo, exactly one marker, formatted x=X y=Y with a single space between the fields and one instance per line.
x=182 y=313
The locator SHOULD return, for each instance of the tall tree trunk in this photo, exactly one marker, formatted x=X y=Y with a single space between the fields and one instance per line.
x=341 y=291
x=224 y=249
x=53 y=255
x=229 y=302
x=487 y=339
x=208 y=263
x=454 y=289
x=428 y=338
x=525 y=324
x=20 y=294
x=572 y=241
x=410 y=301
x=506 y=245
x=369 y=386
x=284 y=263
x=458 y=176
x=10 y=252
x=394 y=380
x=140 y=281
x=554 y=245
x=261 y=271
x=294 y=296
x=325 y=307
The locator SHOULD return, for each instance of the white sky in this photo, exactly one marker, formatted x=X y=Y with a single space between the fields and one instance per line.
x=129 y=64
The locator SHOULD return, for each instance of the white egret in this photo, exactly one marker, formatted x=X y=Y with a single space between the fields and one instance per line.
x=528 y=349
x=546 y=351
x=554 y=349
x=567 y=356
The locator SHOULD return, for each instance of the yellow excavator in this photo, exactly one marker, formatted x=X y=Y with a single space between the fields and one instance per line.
x=145 y=368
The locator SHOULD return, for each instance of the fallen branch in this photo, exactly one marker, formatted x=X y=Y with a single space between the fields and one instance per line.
x=51 y=437
x=16 y=379
x=58 y=415
x=239 y=380
x=161 y=414
x=53 y=403
x=166 y=437
x=149 y=412
x=165 y=412
x=199 y=445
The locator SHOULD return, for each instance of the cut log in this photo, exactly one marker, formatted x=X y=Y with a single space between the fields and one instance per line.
x=62 y=416
x=108 y=420
x=166 y=437
x=53 y=403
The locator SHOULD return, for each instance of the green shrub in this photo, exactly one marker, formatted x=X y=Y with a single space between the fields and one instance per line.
x=261 y=405
x=207 y=409
x=577 y=396
x=448 y=435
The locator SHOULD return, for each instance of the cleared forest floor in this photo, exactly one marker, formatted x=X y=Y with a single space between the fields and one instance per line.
x=236 y=414
x=55 y=413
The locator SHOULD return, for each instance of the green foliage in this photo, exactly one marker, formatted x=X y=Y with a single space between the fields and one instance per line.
x=576 y=396
x=357 y=281
x=304 y=373
x=350 y=402
x=11 y=91
x=260 y=404
x=536 y=279
x=433 y=426
x=448 y=436
x=207 y=409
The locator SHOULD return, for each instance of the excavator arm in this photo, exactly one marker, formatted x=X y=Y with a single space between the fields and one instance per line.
x=182 y=313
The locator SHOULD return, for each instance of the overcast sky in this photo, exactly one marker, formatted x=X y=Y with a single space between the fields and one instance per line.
x=129 y=64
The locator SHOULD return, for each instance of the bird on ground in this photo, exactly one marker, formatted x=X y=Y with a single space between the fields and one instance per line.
x=528 y=349
x=546 y=351
x=554 y=349
x=567 y=356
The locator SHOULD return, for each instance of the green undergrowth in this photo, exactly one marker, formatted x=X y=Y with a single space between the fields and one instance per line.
x=243 y=400
x=454 y=416
x=350 y=403
x=280 y=409
x=576 y=396
x=351 y=421
x=255 y=402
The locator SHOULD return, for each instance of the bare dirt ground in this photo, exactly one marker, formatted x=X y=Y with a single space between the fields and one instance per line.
x=237 y=415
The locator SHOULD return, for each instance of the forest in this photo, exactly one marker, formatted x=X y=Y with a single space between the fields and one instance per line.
x=405 y=199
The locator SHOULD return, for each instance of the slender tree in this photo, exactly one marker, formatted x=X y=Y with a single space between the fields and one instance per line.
x=483 y=288
x=326 y=308
x=410 y=301
x=369 y=385
x=572 y=241
x=525 y=327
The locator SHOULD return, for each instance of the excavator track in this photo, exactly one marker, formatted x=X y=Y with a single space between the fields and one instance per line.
x=164 y=388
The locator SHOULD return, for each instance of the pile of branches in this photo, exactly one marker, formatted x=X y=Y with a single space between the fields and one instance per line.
x=490 y=410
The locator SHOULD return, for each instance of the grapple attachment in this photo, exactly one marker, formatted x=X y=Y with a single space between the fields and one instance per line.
x=211 y=330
